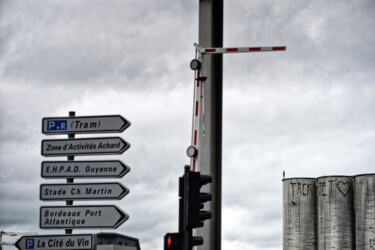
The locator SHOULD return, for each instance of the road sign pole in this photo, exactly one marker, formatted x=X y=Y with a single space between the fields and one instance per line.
x=70 y=180
x=210 y=143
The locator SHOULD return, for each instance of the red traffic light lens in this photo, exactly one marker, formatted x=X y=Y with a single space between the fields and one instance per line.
x=169 y=242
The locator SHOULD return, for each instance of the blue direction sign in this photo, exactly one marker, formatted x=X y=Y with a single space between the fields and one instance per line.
x=84 y=124
x=106 y=216
x=84 y=146
x=83 y=191
x=84 y=169
x=55 y=242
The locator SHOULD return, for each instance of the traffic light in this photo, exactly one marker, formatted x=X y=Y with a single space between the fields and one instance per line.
x=196 y=199
x=191 y=215
x=193 y=201
x=173 y=241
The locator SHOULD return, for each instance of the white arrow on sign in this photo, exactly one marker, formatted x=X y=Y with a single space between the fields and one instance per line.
x=84 y=169
x=106 y=216
x=83 y=191
x=84 y=124
x=84 y=146
x=58 y=242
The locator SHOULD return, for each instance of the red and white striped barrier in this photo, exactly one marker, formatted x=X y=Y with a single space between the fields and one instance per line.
x=243 y=49
x=238 y=50
x=198 y=109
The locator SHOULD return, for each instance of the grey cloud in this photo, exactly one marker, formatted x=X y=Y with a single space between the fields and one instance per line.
x=71 y=45
x=325 y=43
x=23 y=213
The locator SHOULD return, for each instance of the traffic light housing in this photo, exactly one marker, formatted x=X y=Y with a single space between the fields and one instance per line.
x=192 y=201
x=173 y=241
x=196 y=199
x=191 y=215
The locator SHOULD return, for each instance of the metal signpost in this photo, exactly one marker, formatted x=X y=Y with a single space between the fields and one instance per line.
x=70 y=180
x=55 y=242
x=106 y=216
x=209 y=161
x=85 y=216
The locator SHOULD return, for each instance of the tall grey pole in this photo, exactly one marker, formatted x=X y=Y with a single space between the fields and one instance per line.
x=70 y=180
x=210 y=148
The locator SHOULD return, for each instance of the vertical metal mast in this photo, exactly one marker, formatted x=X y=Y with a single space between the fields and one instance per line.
x=210 y=143
x=70 y=180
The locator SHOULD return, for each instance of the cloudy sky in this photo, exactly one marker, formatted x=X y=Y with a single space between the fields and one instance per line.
x=308 y=111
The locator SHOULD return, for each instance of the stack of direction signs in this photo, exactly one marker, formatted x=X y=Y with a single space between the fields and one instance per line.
x=83 y=216
x=72 y=217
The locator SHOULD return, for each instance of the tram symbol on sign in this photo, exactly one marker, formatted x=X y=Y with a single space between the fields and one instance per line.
x=57 y=125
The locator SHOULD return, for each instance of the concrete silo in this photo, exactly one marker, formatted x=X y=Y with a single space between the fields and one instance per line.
x=299 y=214
x=335 y=212
x=364 y=204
